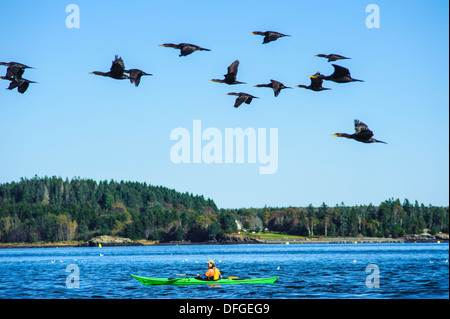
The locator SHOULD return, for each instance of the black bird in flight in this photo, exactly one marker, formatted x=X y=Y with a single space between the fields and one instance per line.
x=135 y=75
x=362 y=134
x=332 y=57
x=316 y=83
x=340 y=75
x=15 y=69
x=230 y=77
x=18 y=82
x=116 y=71
x=270 y=36
x=242 y=98
x=275 y=85
x=186 y=48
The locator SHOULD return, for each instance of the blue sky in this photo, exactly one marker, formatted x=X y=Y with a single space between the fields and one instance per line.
x=74 y=124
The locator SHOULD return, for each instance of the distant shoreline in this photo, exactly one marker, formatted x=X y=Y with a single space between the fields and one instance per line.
x=333 y=240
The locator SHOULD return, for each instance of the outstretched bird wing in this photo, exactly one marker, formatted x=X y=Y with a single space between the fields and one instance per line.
x=188 y=49
x=232 y=71
x=233 y=68
x=14 y=83
x=135 y=76
x=340 y=71
x=273 y=35
x=241 y=99
x=117 y=66
x=248 y=99
x=270 y=37
x=276 y=86
x=362 y=130
x=23 y=87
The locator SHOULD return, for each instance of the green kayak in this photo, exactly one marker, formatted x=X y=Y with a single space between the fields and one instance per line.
x=195 y=281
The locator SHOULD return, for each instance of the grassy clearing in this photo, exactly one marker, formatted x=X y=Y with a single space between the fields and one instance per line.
x=272 y=235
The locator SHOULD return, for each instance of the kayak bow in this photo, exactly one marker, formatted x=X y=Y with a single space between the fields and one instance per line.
x=195 y=281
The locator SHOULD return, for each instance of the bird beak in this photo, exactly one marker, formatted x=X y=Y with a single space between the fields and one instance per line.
x=333 y=135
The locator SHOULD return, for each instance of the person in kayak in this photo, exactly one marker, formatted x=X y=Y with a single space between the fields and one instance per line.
x=213 y=273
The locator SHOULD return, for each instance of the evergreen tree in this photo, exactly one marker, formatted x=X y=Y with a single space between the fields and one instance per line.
x=54 y=209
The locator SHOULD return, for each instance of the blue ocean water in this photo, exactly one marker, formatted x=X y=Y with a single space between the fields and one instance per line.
x=322 y=271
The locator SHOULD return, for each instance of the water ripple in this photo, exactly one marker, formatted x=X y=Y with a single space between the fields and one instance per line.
x=305 y=271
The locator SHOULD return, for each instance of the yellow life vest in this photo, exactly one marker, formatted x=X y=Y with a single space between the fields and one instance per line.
x=216 y=273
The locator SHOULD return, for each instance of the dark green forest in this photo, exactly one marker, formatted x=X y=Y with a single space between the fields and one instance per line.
x=53 y=209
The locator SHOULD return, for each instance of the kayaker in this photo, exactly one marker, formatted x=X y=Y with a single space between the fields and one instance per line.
x=213 y=273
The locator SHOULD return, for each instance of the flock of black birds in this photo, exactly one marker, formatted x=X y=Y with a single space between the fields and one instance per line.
x=14 y=74
x=117 y=71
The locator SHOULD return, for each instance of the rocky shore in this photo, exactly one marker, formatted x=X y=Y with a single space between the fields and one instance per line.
x=105 y=241
x=108 y=241
x=225 y=240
